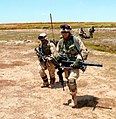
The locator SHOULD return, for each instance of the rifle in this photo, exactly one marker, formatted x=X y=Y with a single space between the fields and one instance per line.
x=82 y=65
x=60 y=71
x=40 y=55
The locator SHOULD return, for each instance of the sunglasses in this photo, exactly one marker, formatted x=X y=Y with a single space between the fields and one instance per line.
x=64 y=31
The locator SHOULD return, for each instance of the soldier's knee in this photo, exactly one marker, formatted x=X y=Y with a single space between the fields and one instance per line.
x=72 y=87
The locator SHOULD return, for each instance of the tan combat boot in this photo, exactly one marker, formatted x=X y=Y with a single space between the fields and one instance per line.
x=74 y=98
x=52 y=81
x=73 y=91
x=45 y=83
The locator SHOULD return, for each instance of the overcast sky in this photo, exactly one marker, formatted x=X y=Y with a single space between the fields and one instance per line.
x=16 y=11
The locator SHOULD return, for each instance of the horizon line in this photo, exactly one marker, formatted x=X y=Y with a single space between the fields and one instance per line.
x=8 y=23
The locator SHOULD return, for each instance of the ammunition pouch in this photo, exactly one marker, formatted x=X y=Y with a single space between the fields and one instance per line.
x=73 y=50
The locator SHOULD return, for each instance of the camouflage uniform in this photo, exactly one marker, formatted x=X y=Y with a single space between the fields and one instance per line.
x=48 y=49
x=70 y=47
x=83 y=34
x=91 y=30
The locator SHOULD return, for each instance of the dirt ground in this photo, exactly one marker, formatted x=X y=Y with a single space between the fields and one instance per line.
x=22 y=98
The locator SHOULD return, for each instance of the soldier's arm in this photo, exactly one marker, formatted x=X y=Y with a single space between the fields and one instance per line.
x=59 y=45
x=53 y=48
x=84 y=51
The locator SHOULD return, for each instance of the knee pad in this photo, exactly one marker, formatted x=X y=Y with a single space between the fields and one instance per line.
x=72 y=87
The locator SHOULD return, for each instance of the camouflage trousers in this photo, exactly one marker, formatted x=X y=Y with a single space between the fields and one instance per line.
x=71 y=76
x=47 y=66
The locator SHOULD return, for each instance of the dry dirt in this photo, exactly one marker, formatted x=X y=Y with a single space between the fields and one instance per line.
x=22 y=98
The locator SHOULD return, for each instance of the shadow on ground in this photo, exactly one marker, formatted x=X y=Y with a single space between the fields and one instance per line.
x=60 y=84
x=87 y=101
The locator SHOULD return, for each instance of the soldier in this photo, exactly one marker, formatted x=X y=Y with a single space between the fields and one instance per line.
x=73 y=48
x=82 y=33
x=47 y=49
x=91 y=30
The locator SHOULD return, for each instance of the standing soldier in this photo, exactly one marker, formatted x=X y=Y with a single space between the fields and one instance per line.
x=45 y=52
x=91 y=30
x=73 y=48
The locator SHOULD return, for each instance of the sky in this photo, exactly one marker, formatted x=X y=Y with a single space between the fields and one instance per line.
x=26 y=11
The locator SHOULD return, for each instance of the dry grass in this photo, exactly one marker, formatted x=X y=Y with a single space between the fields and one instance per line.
x=104 y=39
x=47 y=25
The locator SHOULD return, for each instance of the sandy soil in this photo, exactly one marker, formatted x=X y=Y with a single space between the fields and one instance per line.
x=22 y=98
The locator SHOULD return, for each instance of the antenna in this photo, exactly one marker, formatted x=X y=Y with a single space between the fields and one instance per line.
x=52 y=26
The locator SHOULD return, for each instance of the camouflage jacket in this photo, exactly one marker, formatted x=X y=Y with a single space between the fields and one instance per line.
x=72 y=47
x=48 y=48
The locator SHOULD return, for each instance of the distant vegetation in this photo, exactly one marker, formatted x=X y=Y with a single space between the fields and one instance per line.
x=104 y=40
x=47 y=25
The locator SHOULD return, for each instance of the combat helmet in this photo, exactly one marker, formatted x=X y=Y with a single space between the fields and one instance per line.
x=42 y=36
x=65 y=28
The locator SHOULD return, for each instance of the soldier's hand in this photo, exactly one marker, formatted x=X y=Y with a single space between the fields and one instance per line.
x=76 y=63
x=37 y=54
x=50 y=57
x=58 y=57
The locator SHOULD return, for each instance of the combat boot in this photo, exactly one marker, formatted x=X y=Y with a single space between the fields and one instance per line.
x=73 y=102
x=73 y=91
x=52 y=81
x=45 y=83
x=74 y=98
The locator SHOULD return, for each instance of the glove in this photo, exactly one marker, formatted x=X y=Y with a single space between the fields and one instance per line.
x=50 y=58
x=59 y=57
x=76 y=63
